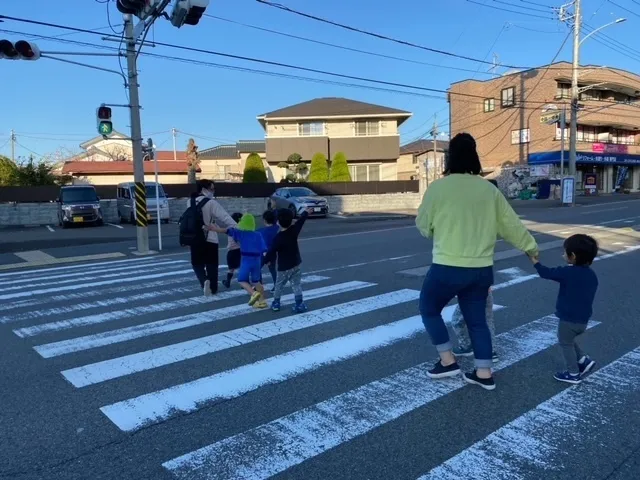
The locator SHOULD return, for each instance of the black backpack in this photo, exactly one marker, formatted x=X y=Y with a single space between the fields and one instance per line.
x=191 y=223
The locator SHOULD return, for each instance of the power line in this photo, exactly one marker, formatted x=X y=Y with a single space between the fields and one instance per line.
x=373 y=34
x=28 y=149
x=624 y=8
x=509 y=11
x=342 y=47
x=546 y=10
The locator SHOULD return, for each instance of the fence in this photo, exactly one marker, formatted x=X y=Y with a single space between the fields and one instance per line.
x=222 y=189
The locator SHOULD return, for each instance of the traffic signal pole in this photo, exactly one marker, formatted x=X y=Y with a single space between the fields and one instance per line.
x=140 y=215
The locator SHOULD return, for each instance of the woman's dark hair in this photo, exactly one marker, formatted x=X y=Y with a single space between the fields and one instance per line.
x=463 y=156
x=208 y=184
x=584 y=247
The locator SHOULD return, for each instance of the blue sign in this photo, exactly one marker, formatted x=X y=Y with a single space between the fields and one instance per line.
x=542 y=158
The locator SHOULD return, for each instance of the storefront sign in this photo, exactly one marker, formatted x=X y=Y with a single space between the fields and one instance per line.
x=540 y=171
x=590 y=184
x=609 y=148
x=568 y=189
x=591 y=158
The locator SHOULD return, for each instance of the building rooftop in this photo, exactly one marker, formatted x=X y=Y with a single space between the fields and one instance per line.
x=421 y=146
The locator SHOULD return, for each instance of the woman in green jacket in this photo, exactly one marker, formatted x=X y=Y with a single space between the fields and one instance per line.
x=464 y=214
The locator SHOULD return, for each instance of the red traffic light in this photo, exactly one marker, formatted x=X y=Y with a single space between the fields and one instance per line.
x=27 y=50
x=7 y=50
x=104 y=113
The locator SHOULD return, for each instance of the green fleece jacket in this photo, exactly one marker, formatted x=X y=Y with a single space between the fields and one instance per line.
x=464 y=214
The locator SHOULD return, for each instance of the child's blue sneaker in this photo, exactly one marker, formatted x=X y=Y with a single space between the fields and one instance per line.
x=299 y=308
x=275 y=305
x=586 y=365
x=573 y=378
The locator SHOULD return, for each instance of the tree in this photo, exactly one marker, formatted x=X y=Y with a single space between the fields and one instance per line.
x=254 y=171
x=193 y=162
x=339 y=169
x=319 y=170
x=7 y=171
x=32 y=173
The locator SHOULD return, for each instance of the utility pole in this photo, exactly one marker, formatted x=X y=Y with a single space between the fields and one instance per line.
x=13 y=146
x=434 y=133
x=136 y=140
x=573 y=129
x=175 y=153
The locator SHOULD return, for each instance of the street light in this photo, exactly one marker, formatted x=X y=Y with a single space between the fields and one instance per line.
x=618 y=20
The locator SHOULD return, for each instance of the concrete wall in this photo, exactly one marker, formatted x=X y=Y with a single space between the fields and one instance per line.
x=46 y=213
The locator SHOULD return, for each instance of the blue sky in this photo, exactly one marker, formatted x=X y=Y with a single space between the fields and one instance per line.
x=52 y=105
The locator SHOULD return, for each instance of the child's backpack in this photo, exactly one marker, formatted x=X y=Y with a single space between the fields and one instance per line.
x=191 y=223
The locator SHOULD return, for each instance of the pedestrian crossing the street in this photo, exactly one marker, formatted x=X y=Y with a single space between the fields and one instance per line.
x=107 y=322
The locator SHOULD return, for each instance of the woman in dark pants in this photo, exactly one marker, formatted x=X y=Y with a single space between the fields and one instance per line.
x=464 y=214
x=204 y=256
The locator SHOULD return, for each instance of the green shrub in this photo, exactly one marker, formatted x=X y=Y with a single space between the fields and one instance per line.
x=254 y=171
x=339 y=169
x=319 y=170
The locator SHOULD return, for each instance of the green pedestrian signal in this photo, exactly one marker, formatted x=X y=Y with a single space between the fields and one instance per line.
x=105 y=125
x=105 y=128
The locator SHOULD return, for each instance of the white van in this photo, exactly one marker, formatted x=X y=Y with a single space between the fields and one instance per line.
x=126 y=202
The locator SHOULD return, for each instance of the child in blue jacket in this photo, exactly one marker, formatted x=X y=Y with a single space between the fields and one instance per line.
x=252 y=247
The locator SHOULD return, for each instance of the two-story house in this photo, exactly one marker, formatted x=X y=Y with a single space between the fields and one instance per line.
x=367 y=134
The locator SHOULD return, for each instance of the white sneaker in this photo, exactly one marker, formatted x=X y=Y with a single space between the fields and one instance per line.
x=207 y=288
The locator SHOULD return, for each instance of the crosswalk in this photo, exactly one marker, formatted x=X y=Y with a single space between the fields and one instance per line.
x=105 y=322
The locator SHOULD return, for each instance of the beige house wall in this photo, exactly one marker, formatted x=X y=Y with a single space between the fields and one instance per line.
x=116 y=179
x=333 y=128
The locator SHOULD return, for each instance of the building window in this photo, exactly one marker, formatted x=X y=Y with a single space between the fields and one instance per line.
x=508 y=97
x=591 y=95
x=587 y=133
x=563 y=91
x=489 y=105
x=622 y=137
x=520 y=136
x=365 y=172
x=311 y=129
x=367 y=128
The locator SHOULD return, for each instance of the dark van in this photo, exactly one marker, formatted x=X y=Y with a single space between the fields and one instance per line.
x=79 y=204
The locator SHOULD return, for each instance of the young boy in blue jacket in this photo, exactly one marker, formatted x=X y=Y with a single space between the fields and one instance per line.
x=269 y=232
x=252 y=247
x=578 y=286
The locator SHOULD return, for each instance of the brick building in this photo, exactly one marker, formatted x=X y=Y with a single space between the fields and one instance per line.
x=503 y=114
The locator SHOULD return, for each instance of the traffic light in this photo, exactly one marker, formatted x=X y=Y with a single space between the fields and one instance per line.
x=188 y=12
x=21 y=50
x=105 y=125
x=140 y=8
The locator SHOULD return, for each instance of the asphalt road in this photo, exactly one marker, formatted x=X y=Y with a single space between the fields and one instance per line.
x=122 y=370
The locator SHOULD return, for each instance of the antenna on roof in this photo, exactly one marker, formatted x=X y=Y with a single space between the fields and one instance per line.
x=495 y=63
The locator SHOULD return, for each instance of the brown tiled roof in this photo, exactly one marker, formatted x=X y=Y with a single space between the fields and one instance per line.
x=167 y=155
x=95 y=168
x=332 y=106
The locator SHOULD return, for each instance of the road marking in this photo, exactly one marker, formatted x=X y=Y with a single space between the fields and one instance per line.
x=162 y=326
x=608 y=203
x=110 y=316
x=157 y=357
x=133 y=414
x=69 y=298
x=116 y=226
x=69 y=267
x=80 y=258
x=538 y=439
x=43 y=291
x=35 y=256
x=87 y=277
x=50 y=228
x=368 y=232
x=342 y=267
x=274 y=447
x=604 y=210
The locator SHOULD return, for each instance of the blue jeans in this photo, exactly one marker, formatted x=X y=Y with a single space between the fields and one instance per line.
x=471 y=286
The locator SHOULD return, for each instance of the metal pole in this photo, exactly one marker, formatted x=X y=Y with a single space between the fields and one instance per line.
x=175 y=154
x=563 y=126
x=155 y=161
x=136 y=140
x=577 y=25
x=13 y=146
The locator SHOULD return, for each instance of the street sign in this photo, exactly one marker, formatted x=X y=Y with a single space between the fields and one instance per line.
x=550 y=118
x=568 y=190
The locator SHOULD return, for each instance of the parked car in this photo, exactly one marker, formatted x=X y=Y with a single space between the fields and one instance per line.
x=297 y=199
x=79 y=204
x=127 y=207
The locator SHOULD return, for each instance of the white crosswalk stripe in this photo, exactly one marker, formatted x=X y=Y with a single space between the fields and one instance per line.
x=139 y=319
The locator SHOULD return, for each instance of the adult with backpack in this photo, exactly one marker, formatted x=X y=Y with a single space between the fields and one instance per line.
x=203 y=211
